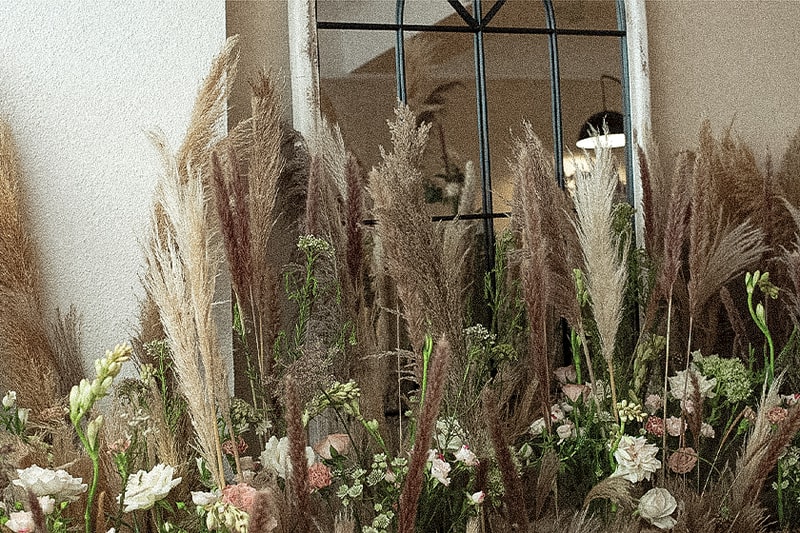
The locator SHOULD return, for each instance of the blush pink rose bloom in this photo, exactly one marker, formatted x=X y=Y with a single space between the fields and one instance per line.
x=240 y=496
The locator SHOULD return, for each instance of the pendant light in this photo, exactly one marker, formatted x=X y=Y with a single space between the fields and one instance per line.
x=605 y=128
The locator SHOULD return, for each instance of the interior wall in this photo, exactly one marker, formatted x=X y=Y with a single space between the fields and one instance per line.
x=80 y=83
x=733 y=62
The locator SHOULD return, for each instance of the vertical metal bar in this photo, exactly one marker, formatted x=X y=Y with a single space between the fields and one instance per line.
x=630 y=169
x=555 y=93
x=483 y=136
x=400 y=52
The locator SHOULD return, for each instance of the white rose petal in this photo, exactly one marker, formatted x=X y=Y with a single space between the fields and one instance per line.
x=656 y=506
x=202 y=499
x=537 y=427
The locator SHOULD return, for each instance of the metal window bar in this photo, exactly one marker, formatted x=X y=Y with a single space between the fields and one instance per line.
x=477 y=25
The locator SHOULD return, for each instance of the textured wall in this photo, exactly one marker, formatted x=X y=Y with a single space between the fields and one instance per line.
x=732 y=61
x=80 y=81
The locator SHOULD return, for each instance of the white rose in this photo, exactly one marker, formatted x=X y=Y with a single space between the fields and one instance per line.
x=21 y=522
x=656 y=506
x=46 y=482
x=144 y=489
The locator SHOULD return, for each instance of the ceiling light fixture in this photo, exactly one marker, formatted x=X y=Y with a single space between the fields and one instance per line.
x=605 y=128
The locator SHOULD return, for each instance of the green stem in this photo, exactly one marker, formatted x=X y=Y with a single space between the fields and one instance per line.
x=95 y=458
x=780 y=494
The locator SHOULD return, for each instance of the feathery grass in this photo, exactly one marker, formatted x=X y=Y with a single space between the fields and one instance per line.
x=605 y=270
x=30 y=365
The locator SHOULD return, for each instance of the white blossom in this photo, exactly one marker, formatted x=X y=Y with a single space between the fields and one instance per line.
x=276 y=456
x=10 y=399
x=636 y=459
x=46 y=482
x=681 y=385
x=47 y=503
x=21 y=522
x=440 y=468
x=144 y=489
x=466 y=456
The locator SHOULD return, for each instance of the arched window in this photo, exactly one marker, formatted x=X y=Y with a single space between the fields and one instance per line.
x=476 y=70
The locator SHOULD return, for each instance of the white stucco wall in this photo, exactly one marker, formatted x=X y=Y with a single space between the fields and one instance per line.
x=80 y=81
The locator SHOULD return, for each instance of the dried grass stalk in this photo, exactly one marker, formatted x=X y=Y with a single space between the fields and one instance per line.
x=513 y=496
x=181 y=269
x=298 y=483
x=207 y=121
x=788 y=176
x=67 y=342
x=546 y=275
x=428 y=286
x=718 y=250
x=615 y=489
x=605 y=269
x=266 y=164
x=183 y=258
x=30 y=365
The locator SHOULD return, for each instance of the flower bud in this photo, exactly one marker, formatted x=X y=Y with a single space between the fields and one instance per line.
x=92 y=430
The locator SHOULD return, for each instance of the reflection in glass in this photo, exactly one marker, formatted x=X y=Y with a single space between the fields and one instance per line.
x=369 y=11
x=358 y=88
x=518 y=89
x=590 y=83
x=516 y=14
x=440 y=83
x=585 y=14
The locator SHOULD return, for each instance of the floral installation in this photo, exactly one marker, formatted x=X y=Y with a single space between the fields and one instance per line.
x=584 y=382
